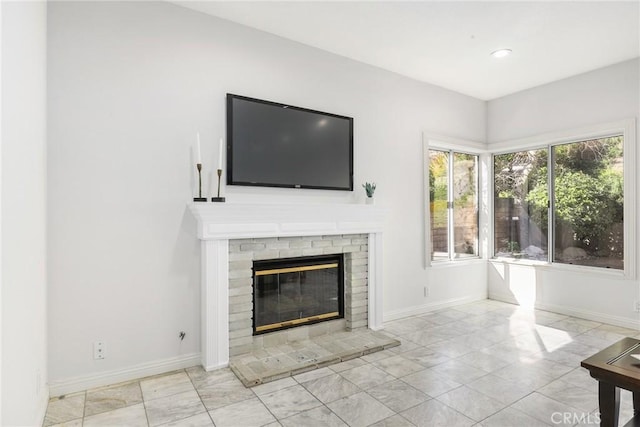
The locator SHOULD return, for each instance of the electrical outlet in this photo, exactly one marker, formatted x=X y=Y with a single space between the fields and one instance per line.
x=426 y=291
x=636 y=306
x=99 y=350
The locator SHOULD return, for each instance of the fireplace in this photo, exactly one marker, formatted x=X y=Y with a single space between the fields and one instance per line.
x=290 y=292
x=233 y=235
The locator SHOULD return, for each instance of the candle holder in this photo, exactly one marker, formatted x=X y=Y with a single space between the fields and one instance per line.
x=218 y=199
x=199 y=198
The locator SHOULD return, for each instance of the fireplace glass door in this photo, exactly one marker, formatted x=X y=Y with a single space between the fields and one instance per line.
x=296 y=291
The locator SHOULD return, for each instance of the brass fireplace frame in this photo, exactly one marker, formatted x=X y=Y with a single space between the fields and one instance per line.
x=335 y=261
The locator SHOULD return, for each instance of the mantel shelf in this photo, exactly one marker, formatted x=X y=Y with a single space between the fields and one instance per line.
x=249 y=220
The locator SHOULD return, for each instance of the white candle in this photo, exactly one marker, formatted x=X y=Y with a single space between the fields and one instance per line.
x=199 y=156
x=220 y=155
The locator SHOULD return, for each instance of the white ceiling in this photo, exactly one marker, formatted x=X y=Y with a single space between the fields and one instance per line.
x=449 y=43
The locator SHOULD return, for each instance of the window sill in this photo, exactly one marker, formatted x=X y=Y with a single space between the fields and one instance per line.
x=519 y=261
x=582 y=269
x=456 y=262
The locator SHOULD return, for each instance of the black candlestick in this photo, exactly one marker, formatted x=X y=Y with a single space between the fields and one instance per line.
x=218 y=199
x=199 y=198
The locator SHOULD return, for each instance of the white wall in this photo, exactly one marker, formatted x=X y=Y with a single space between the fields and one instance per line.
x=606 y=95
x=24 y=359
x=129 y=85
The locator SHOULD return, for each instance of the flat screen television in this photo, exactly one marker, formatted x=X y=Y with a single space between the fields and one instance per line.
x=277 y=145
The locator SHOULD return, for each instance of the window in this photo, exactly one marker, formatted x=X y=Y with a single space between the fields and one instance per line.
x=520 y=227
x=588 y=203
x=563 y=203
x=453 y=205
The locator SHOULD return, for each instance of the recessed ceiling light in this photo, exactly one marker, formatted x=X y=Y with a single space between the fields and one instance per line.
x=501 y=53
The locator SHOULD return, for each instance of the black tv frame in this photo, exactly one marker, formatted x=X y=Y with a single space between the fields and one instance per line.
x=230 y=180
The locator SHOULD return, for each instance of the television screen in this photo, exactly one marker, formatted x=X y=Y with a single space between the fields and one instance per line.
x=277 y=145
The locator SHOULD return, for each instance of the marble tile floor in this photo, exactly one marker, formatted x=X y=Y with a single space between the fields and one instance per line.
x=484 y=364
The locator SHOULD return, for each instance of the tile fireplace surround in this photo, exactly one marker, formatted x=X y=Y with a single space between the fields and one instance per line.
x=222 y=223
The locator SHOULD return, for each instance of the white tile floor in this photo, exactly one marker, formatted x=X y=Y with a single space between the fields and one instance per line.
x=481 y=364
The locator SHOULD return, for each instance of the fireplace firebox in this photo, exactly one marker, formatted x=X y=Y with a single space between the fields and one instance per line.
x=290 y=292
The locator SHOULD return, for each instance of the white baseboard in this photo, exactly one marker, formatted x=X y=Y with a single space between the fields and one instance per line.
x=71 y=385
x=215 y=367
x=595 y=316
x=426 y=308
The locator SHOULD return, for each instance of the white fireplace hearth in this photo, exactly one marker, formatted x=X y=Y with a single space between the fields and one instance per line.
x=220 y=223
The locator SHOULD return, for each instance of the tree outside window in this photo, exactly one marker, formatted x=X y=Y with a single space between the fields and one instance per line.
x=520 y=228
x=587 y=204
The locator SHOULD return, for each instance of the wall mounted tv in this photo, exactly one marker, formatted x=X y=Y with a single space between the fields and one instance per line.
x=276 y=145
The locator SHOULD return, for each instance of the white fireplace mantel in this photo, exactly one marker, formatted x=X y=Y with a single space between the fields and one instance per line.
x=220 y=222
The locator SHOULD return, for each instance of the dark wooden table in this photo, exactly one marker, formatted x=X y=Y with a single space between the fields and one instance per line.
x=614 y=368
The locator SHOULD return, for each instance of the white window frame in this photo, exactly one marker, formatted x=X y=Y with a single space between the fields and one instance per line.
x=448 y=144
x=626 y=128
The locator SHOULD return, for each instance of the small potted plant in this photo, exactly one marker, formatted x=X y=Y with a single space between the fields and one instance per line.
x=369 y=188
